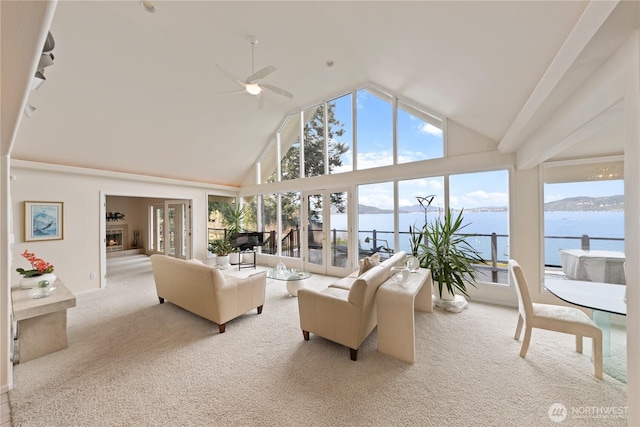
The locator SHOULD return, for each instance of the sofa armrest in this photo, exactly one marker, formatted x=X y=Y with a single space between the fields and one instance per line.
x=329 y=314
x=239 y=295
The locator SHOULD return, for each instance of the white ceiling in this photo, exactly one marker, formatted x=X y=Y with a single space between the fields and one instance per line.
x=137 y=92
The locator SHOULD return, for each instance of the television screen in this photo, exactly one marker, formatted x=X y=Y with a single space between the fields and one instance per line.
x=245 y=241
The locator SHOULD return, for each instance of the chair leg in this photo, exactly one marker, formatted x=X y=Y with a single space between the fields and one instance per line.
x=597 y=355
x=354 y=354
x=518 y=327
x=222 y=328
x=260 y=310
x=525 y=341
x=305 y=334
x=579 y=343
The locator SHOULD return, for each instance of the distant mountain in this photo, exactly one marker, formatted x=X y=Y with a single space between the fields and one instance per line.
x=364 y=209
x=581 y=203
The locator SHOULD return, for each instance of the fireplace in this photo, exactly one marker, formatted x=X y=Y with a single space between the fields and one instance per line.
x=116 y=237
x=114 y=240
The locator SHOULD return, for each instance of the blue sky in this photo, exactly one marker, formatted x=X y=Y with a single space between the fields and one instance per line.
x=418 y=139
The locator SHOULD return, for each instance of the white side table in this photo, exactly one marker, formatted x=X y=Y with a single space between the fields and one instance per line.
x=396 y=322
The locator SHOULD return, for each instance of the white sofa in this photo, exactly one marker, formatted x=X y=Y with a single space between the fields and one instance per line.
x=205 y=291
x=345 y=312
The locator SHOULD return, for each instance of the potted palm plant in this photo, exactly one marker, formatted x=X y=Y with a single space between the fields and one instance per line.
x=441 y=247
x=233 y=218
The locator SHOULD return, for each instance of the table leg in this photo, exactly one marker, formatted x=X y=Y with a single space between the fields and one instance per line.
x=396 y=325
x=603 y=320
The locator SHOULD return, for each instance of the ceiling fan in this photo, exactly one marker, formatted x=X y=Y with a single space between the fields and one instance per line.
x=253 y=84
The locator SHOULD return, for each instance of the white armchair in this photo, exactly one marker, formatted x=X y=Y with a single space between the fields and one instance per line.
x=345 y=316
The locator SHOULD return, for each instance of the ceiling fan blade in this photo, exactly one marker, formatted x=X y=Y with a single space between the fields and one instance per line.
x=231 y=91
x=260 y=101
x=228 y=74
x=260 y=74
x=277 y=90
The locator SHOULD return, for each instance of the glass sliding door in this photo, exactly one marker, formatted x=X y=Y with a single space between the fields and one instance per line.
x=315 y=236
x=157 y=228
x=170 y=226
x=178 y=229
x=327 y=248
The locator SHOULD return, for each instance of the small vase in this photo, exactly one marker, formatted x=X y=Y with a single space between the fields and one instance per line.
x=30 y=282
x=43 y=289
x=400 y=275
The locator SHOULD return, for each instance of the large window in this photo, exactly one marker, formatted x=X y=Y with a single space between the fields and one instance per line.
x=289 y=139
x=218 y=217
x=420 y=135
x=269 y=223
x=414 y=209
x=290 y=219
x=376 y=219
x=340 y=132
x=484 y=197
x=374 y=128
x=383 y=132
x=314 y=141
x=584 y=221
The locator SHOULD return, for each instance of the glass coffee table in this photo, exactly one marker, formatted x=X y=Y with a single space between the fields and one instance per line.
x=294 y=278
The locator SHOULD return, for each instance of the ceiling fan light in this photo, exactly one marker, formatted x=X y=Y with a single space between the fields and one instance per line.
x=253 y=88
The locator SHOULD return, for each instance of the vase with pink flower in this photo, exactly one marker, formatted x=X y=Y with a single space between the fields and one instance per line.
x=40 y=271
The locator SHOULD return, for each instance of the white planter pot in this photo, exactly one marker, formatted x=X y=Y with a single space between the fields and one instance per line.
x=30 y=282
x=234 y=258
x=222 y=261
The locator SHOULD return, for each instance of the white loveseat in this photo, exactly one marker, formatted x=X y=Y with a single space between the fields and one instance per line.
x=205 y=291
x=345 y=312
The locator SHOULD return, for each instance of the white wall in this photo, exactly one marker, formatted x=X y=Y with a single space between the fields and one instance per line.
x=79 y=253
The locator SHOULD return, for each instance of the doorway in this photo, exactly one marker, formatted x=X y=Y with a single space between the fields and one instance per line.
x=170 y=228
x=326 y=241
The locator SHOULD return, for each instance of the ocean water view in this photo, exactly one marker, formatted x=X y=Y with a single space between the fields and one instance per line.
x=562 y=230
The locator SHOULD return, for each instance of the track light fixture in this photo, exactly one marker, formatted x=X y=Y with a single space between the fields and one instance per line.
x=46 y=60
x=37 y=80
x=29 y=110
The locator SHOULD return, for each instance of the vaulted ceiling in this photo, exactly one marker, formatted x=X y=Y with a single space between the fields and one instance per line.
x=140 y=92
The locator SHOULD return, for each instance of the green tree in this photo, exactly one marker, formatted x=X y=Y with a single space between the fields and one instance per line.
x=314 y=160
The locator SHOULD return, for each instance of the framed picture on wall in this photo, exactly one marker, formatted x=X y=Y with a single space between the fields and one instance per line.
x=43 y=221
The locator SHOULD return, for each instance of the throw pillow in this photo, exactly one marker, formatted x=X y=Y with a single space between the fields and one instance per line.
x=365 y=264
x=375 y=259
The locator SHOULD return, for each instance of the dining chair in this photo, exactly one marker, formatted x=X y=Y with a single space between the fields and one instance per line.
x=568 y=320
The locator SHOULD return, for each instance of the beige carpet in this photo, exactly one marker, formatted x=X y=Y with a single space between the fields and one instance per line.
x=134 y=362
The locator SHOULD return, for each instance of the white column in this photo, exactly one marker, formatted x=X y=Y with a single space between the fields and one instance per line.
x=6 y=366
x=632 y=235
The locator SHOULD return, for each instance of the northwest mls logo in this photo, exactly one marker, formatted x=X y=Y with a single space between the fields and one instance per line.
x=557 y=412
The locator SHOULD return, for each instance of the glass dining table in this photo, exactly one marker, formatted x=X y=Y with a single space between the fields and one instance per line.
x=604 y=299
